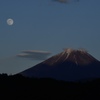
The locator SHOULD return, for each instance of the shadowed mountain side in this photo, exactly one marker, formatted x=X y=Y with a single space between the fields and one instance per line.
x=70 y=65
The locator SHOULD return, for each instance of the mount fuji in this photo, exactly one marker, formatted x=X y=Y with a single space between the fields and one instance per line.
x=69 y=65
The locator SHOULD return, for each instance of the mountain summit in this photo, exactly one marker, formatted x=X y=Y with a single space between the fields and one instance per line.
x=78 y=57
x=69 y=65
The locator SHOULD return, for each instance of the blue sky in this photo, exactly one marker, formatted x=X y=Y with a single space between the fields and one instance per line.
x=49 y=26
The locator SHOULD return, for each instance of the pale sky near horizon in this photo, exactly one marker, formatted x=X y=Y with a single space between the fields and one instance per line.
x=48 y=26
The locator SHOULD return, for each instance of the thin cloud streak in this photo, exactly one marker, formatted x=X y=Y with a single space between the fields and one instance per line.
x=34 y=54
x=65 y=1
x=61 y=1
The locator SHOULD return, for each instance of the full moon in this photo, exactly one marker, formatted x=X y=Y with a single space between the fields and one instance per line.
x=10 y=21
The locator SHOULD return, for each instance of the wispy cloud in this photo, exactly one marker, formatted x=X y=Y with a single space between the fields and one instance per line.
x=61 y=1
x=65 y=1
x=34 y=54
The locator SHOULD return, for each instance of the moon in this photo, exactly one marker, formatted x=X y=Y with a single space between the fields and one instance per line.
x=10 y=21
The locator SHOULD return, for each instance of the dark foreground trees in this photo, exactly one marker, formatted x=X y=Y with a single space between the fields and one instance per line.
x=16 y=87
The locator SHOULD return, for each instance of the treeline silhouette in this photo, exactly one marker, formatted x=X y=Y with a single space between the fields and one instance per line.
x=16 y=87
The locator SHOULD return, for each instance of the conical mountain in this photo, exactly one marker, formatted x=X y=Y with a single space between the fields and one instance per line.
x=69 y=65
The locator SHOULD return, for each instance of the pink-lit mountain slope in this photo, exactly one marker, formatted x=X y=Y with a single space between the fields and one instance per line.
x=69 y=65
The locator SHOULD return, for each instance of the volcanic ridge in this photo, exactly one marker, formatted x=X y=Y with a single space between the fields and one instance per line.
x=69 y=65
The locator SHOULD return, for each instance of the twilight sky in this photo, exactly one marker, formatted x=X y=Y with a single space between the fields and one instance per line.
x=48 y=26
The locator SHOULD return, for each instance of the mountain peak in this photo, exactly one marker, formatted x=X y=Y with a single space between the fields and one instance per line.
x=69 y=65
x=70 y=50
x=76 y=56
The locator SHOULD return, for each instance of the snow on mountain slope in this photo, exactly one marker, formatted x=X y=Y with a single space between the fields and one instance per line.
x=69 y=65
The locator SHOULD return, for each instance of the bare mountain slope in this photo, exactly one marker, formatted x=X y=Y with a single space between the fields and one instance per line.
x=69 y=65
